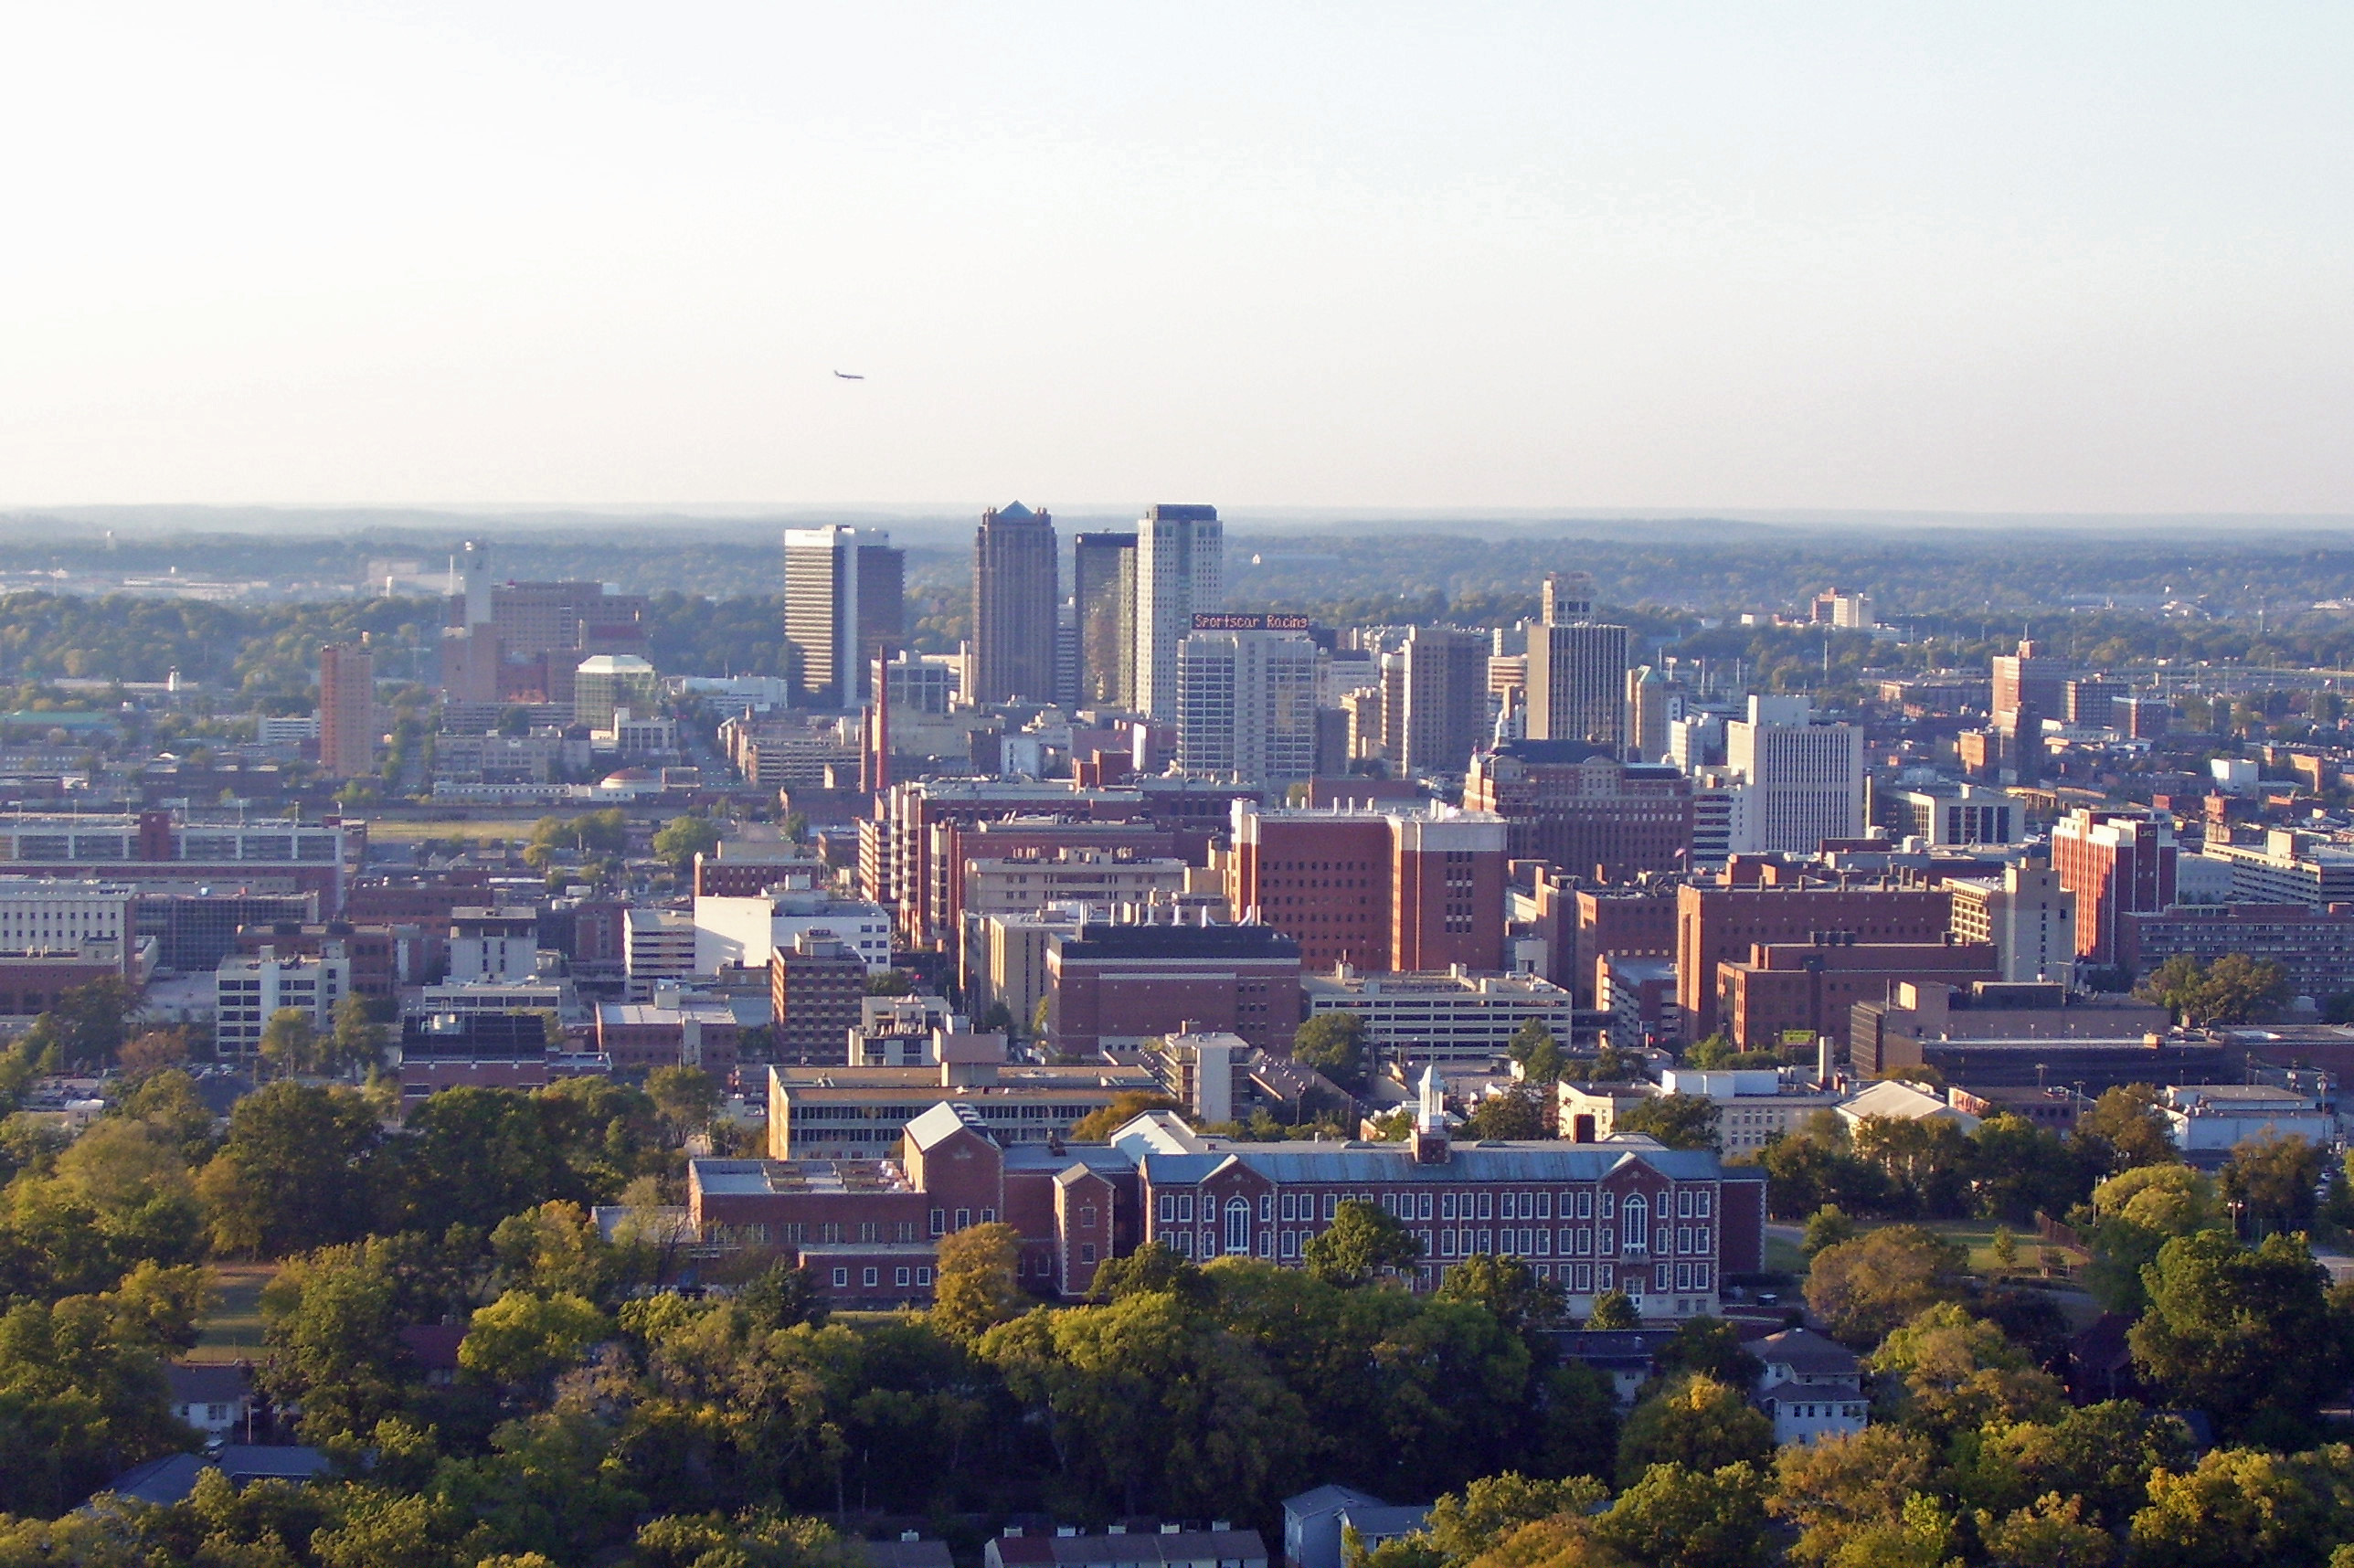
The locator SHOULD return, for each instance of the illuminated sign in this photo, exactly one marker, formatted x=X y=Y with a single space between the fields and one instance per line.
x=1250 y=623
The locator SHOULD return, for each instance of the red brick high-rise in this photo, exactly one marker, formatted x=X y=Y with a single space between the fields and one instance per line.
x=1720 y=923
x=1579 y=807
x=1375 y=890
x=2115 y=862
x=346 y=710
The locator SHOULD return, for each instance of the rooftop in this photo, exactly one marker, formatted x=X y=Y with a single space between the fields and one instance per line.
x=763 y=1178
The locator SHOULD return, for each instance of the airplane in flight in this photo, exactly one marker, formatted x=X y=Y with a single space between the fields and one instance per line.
x=846 y=375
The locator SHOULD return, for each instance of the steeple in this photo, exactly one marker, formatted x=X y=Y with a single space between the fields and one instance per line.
x=1430 y=1145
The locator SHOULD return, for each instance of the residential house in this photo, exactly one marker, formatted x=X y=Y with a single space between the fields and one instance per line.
x=1811 y=1387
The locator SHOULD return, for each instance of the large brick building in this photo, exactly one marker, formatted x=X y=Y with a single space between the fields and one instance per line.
x=2314 y=945
x=1375 y=890
x=1665 y=1227
x=1720 y=923
x=2117 y=863
x=1811 y=988
x=1124 y=982
x=1583 y=810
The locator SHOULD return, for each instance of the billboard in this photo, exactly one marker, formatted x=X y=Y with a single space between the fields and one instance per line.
x=1250 y=623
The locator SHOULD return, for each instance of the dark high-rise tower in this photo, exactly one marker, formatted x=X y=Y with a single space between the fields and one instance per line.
x=1015 y=595
x=1103 y=592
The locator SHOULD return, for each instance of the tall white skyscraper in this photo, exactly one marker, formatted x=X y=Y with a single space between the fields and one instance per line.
x=1181 y=572
x=1247 y=706
x=1576 y=671
x=1804 y=781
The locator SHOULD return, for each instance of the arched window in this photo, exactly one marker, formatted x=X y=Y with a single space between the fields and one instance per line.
x=1636 y=1213
x=1238 y=1225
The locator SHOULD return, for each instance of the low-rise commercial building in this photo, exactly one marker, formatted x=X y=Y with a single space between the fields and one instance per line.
x=1450 y=1016
x=247 y=992
x=853 y=1113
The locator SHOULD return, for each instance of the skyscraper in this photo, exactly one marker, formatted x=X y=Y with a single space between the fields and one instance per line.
x=1804 y=781
x=845 y=607
x=1247 y=706
x=1181 y=553
x=1015 y=596
x=1647 y=714
x=1440 y=679
x=346 y=710
x=1103 y=591
x=1577 y=670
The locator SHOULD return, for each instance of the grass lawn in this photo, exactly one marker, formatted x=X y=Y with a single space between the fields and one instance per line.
x=232 y=1329
x=1782 y=1256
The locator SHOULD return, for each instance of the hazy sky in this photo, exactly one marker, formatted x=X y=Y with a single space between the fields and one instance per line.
x=2028 y=256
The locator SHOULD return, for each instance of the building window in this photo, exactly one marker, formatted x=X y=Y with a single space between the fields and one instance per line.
x=1088 y=1217
x=1487 y=1206
x=1184 y=1207
x=1267 y=1208
x=1422 y=1207
x=841 y=1278
x=1332 y=1201
x=1167 y=1209
x=1446 y=1243
x=899 y=1276
x=1609 y=1204
x=1487 y=1241
x=1684 y=1204
x=1267 y=1243
x=1086 y=1252
x=924 y=1277
x=1238 y=1225
x=939 y=1222
x=1447 y=1205
x=1700 y=1204
x=1638 y=1214
x=989 y=1216
x=1544 y=1205
x=963 y=1219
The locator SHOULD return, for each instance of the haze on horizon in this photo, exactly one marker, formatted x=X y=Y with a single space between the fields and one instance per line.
x=2000 y=259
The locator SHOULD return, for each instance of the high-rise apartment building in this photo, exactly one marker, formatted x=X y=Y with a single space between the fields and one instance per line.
x=1435 y=700
x=1246 y=704
x=1576 y=669
x=2115 y=864
x=346 y=710
x=1014 y=597
x=1181 y=553
x=1103 y=592
x=845 y=607
x=1805 y=781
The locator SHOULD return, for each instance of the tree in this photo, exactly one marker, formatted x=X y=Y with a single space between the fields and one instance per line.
x=680 y=838
x=1614 y=1310
x=1517 y=1111
x=289 y=1044
x=2273 y=1182
x=1334 y=1044
x=1122 y=1108
x=1155 y=1266
x=1865 y=1288
x=153 y=1052
x=1539 y=1054
x=979 y=1280
x=358 y=1038
x=2125 y=1129
x=1679 y=1121
x=1957 y=1373
x=1708 y=1346
x=1825 y=1227
x=1841 y=1485
x=2234 y=988
x=2241 y=1506
x=91 y=1020
x=1679 y=1518
x=2135 y=1214
x=294 y=1174
x=2245 y=1335
x=524 y=1338
x=686 y=1097
x=2102 y=1453
x=1360 y=1245
x=1509 y=1288
x=1696 y=1422
x=2019 y=1169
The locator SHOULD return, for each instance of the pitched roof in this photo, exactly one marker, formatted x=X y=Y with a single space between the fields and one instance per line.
x=206 y=1382
x=944 y=1121
x=1806 y=1352
x=1330 y=1496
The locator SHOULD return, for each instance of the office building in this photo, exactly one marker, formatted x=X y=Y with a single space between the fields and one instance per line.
x=749 y=930
x=1844 y=609
x=1103 y=594
x=1576 y=669
x=815 y=988
x=2286 y=867
x=347 y=728
x=1180 y=573
x=1805 y=781
x=158 y=846
x=2026 y=915
x=606 y=683
x=2090 y=702
x=1247 y=706
x=1376 y=890
x=2117 y=863
x=1717 y=923
x=2141 y=718
x=247 y=992
x=520 y=642
x=1435 y=701
x=1124 y=983
x=45 y=914
x=1649 y=706
x=1015 y=594
x=1580 y=807
x=1800 y=990
x=844 y=609
x=2029 y=687
x=1442 y=1017
x=1952 y=814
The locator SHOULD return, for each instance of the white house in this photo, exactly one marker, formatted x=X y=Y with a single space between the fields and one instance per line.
x=1811 y=1386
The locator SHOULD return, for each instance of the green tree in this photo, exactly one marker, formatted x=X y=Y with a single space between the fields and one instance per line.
x=294 y=1172
x=289 y=1044
x=1360 y=1245
x=358 y=1039
x=1696 y=1422
x=524 y=1338
x=1122 y=1108
x=1710 y=1347
x=1614 y=1310
x=2274 y=1183
x=1518 y=1111
x=1509 y=1288
x=2134 y=1215
x=2249 y=1335
x=1153 y=1268
x=1679 y=1518
x=680 y=838
x=2234 y=988
x=1539 y=1054
x=1482 y=1516
x=1842 y=1486
x=753 y=1539
x=2125 y=1129
x=686 y=1097
x=1952 y=1372
x=91 y=1020
x=979 y=1280
x=1865 y=1288
x=1825 y=1227
x=1334 y=1044
x=2018 y=1170
x=1679 y=1121
x=2241 y=1506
